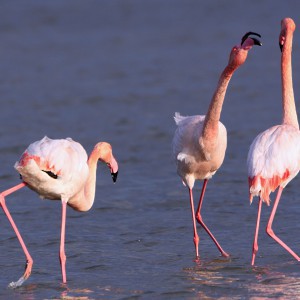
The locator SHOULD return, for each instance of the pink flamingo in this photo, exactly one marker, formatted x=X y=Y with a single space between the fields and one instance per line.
x=273 y=158
x=59 y=170
x=199 y=143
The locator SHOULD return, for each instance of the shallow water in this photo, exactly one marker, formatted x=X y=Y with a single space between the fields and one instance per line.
x=117 y=71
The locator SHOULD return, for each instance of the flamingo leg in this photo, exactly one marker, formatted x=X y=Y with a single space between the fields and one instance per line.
x=196 y=237
x=201 y=222
x=62 y=254
x=270 y=231
x=29 y=261
x=255 y=241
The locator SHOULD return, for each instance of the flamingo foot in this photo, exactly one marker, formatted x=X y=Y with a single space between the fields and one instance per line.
x=197 y=259
x=21 y=280
x=16 y=284
x=225 y=254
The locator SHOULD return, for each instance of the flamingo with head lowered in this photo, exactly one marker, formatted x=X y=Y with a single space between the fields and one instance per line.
x=200 y=142
x=59 y=170
x=274 y=155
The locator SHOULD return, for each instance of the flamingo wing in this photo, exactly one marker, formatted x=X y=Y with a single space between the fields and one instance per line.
x=273 y=160
x=194 y=160
x=186 y=138
x=65 y=160
x=63 y=157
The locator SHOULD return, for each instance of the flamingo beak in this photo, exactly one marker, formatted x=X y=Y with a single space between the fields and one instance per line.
x=280 y=46
x=113 y=169
x=114 y=176
x=247 y=35
x=256 y=42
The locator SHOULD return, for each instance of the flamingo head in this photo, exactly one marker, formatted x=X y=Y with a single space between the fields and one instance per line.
x=113 y=165
x=287 y=24
x=105 y=155
x=239 y=53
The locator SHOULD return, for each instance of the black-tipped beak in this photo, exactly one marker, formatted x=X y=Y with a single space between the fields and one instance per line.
x=247 y=35
x=114 y=176
x=280 y=46
x=256 y=42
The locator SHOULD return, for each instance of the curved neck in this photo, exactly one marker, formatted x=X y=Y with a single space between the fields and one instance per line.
x=90 y=185
x=211 y=122
x=288 y=101
x=84 y=199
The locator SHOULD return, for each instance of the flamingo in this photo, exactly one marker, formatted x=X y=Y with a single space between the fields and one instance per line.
x=200 y=141
x=273 y=157
x=59 y=170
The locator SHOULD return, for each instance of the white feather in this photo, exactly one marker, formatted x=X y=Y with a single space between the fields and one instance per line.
x=274 y=151
x=191 y=156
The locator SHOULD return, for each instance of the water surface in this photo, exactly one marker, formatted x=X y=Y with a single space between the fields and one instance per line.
x=118 y=71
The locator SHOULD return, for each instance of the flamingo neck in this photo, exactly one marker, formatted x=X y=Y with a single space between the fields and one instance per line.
x=288 y=101
x=90 y=186
x=84 y=200
x=211 y=122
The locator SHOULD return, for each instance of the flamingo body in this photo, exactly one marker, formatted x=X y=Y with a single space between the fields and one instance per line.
x=64 y=158
x=194 y=161
x=273 y=160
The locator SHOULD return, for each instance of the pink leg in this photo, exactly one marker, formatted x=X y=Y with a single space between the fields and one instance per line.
x=29 y=260
x=62 y=254
x=200 y=221
x=255 y=243
x=196 y=237
x=269 y=229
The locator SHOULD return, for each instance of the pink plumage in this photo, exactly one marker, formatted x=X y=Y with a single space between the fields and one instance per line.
x=273 y=160
x=274 y=156
x=59 y=170
x=64 y=158
x=199 y=143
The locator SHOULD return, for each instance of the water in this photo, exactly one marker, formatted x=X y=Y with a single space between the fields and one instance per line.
x=117 y=71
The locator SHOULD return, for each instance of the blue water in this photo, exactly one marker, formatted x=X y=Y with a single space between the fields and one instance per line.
x=117 y=71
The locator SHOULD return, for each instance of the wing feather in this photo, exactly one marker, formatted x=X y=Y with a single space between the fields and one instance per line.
x=63 y=157
x=273 y=160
